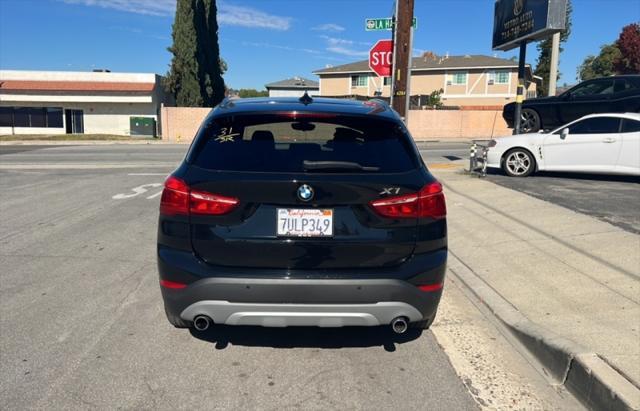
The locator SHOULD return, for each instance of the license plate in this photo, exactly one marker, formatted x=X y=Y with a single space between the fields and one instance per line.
x=296 y=222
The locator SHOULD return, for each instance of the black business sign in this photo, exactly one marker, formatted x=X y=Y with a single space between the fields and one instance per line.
x=516 y=21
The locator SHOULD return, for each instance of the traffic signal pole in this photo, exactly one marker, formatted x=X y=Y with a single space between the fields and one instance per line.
x=520 y=91
x=403 y=30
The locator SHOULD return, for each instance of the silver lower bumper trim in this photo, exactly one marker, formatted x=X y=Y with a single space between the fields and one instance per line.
x=285 y=315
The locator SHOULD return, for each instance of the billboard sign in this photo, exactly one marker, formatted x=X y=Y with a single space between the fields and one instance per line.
x=516 y=21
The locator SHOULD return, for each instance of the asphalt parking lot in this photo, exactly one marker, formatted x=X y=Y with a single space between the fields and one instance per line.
x=614 y=199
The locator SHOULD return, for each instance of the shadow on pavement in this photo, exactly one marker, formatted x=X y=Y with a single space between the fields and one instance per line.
x=305 y=337
x=571 y=176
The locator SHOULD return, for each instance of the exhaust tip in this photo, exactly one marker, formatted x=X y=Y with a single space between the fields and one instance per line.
x=399 y=325
x=201 y=322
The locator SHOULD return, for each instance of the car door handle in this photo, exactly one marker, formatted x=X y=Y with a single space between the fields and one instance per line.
x=609 y=140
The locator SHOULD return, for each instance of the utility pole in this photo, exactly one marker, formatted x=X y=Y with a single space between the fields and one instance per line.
x=520 y=91
x=553 y=70
x=402 y=36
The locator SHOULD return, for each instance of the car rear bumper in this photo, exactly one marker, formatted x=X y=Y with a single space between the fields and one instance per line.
x=285 y=315
x=281 y=302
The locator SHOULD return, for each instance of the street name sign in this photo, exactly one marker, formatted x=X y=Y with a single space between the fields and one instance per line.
x=384 y=24
x=381 y=58
x=517 y=21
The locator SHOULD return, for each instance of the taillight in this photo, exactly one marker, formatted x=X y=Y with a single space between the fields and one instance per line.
x=175 y=197
x=212 y=204
x=179 y=199
x=428 y=202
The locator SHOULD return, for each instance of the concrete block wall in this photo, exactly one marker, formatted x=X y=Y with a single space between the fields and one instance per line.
x=180 y=124
x=457 y=124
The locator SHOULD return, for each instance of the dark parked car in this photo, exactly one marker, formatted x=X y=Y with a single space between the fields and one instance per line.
x=301 y=212
x=617 y=94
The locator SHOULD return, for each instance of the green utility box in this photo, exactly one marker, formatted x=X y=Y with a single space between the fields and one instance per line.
x=142 y=126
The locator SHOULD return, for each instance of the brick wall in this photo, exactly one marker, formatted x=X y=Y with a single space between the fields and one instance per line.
x=179 y=124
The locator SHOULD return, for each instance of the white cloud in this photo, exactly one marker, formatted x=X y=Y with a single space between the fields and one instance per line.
x=347 y=51
x=279 y=47
x=328 y=27
x=150 y=7
x=345 y=47
x=230 y=15
x=250 y=17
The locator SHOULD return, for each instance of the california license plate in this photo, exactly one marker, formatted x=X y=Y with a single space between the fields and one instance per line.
x=297 y=222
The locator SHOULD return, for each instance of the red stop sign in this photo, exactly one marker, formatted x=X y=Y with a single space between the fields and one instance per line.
x=381 y=58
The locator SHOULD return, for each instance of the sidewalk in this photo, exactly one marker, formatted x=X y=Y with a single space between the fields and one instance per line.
x=569 y=273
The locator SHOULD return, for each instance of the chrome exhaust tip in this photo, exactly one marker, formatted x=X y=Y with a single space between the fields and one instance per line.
x=201 y=322
x=399 y=325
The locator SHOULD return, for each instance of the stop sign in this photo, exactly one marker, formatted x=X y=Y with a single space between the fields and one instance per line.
x=381 y=58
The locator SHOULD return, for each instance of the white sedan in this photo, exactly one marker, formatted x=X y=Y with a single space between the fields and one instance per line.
x=597 y=143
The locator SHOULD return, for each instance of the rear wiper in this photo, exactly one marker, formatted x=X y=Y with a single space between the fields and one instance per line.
x=336 y=165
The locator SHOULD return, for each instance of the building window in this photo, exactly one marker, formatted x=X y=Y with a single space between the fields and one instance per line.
x=31 y=117
x=387 y=81
x=498 y=77
x=54 y=117
x=502 y=77
x=459 y=79
x=21 y=117
x=359 y=81
x=37 y=117
x=6 y=116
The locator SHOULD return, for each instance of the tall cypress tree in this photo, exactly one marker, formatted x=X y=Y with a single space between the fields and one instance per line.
x=543 y=66
x=195 y=77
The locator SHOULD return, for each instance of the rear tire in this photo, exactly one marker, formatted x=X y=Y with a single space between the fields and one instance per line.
x=518 y=162
x=530 y=122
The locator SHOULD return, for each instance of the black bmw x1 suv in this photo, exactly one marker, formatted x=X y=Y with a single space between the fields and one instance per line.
x=302 y=212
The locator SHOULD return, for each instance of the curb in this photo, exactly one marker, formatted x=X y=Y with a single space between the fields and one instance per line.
x=587 y=376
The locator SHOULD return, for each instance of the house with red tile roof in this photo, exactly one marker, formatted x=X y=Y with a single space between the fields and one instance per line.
x=98 y=102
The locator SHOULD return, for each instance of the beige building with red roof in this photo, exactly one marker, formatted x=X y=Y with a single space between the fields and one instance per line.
x=98 y=102
x=464 y=80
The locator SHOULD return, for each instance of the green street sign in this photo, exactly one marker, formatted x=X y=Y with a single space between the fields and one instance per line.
x=384 y=24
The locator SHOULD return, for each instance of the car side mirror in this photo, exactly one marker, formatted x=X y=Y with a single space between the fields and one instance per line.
x=564 y=133
x=566 y=96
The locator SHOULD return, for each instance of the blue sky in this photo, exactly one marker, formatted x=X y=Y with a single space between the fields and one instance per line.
x=269 y=40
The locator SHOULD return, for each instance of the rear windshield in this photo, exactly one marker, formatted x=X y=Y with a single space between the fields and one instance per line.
x=304 y=143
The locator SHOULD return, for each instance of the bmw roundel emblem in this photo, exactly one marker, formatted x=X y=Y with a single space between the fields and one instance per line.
x=305 y=192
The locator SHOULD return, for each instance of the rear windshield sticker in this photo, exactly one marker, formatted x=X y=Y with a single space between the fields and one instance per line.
x=226 y=135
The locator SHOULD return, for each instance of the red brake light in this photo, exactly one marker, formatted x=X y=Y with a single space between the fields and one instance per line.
x=172 y=284
x=179 y=199
x=428 y=202
x=175 y=197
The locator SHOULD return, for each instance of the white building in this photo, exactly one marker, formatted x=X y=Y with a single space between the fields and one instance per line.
x=99 y=102
x=293 y=87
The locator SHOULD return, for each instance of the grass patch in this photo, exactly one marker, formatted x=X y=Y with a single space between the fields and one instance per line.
x=73 y=137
